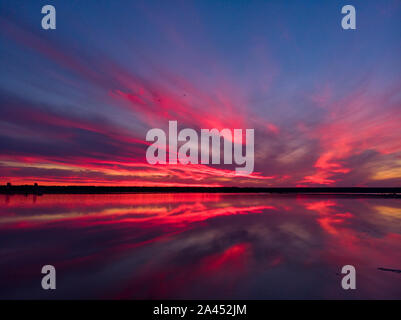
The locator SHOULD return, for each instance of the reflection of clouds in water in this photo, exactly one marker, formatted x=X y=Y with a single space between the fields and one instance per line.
x=198 y=246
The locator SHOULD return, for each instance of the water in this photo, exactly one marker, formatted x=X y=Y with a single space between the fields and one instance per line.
x=206 y=246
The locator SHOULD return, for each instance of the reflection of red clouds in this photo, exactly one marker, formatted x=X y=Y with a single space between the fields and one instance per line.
x=116 y=200
x=327 y=223
x=233 y=259
x=162 y=282
x=329 y=218
x=366 y=254
x=180 y=245
x=180 y=217
x=320 y=206
x=276 y=262
x=146 y=210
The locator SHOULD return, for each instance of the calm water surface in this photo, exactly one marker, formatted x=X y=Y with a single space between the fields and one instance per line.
x=229 y=246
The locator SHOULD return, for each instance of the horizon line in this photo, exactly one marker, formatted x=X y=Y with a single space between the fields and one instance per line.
x=78 y=189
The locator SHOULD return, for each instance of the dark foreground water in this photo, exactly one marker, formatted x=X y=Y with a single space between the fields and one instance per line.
x=229 y=246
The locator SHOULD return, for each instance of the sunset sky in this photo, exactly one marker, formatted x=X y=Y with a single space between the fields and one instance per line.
x=76 y=102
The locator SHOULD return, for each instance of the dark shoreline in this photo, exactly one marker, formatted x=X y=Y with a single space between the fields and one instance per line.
x=38 y=190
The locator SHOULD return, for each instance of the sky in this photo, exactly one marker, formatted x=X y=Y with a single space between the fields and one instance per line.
x=76 y=102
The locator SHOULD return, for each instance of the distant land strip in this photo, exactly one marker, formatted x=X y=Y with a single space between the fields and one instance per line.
x=36 y=189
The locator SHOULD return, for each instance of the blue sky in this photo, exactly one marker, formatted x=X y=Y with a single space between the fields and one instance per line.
x=77 y=101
